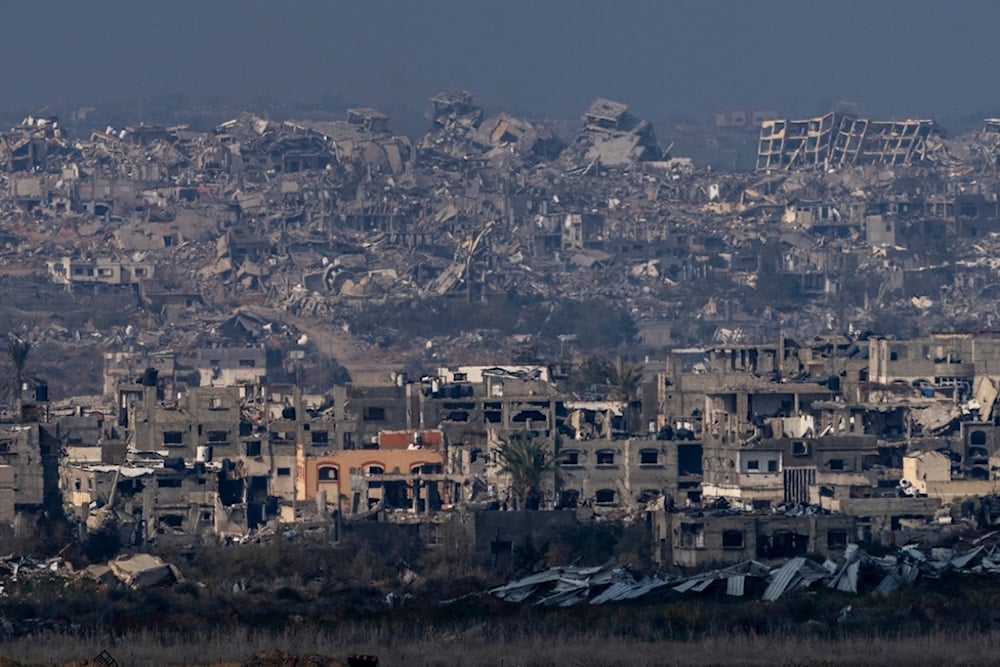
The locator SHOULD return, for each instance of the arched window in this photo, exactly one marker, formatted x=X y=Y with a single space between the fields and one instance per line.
x=977 y=438
x=374 y=469
x=569 y=498
x=569 y=458
x=836 y=538
x=328 y=474
x=649 y=495
x=605 y=496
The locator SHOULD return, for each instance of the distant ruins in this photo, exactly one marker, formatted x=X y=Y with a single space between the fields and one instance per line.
x=816 y=361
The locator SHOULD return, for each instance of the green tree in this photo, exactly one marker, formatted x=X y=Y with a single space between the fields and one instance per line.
x=595 y=370
x=625 y=379
x=528 y=462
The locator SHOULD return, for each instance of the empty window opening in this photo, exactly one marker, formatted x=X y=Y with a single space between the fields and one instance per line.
x=569 y=499
x=732 y=539
x=836 y=539
x=693 y=535
x=604 y=496
x=374 y=413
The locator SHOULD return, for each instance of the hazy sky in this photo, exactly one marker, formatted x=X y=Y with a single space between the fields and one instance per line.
x=664 y=58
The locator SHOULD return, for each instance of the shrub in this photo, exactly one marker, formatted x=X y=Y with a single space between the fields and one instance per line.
x=288 y=594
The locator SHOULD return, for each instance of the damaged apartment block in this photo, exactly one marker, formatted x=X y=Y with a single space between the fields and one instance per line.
x=836 y=140
x=612 y=137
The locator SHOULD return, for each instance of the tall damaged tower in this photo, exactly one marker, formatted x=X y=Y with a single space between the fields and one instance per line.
x=837 y=140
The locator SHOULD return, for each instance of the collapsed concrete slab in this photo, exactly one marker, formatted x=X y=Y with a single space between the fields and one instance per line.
x=141 y=571
x=611 y=137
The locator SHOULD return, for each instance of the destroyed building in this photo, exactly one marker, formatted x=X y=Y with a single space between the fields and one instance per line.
x=765 y=451
x=837 y=140
x=816 y=333
x=612 y=137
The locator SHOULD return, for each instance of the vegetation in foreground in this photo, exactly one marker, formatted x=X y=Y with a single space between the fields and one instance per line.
x=363 y=597
x=477 y=647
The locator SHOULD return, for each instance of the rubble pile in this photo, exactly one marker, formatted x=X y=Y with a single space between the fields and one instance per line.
x=215 y=271
x=137 y=571
x=842 y=225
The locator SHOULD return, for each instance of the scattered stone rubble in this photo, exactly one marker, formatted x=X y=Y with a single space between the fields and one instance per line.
x=136 y=571
x=316 y=218
x=226 y=261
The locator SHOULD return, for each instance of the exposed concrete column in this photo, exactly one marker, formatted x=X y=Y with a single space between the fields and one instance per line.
x=742 y=407
x=431 y=494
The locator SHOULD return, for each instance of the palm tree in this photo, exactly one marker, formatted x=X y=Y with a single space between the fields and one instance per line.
x=594 y=370
x=528 y=462
x=625 y=379
x=17 y=351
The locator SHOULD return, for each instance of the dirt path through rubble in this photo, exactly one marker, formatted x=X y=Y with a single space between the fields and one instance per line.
x=367 y=364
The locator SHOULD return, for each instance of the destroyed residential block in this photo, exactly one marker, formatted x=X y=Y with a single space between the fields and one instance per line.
x=611 y=137
x=368 y=119
x=70 y=271
x=456 y=107
x=835 y=140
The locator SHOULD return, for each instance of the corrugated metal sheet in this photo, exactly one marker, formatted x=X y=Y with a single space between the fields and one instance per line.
x=685 y=586
x=890 y=583
x=565 y=586
x=782 y=578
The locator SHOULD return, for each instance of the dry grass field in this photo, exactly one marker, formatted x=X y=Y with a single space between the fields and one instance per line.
x=331 y=606
x=584 y=650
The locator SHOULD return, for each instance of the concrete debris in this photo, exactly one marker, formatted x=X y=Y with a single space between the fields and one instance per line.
x=260 y=211
x=819 y=333
x=611 y=137
x=141 y=571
